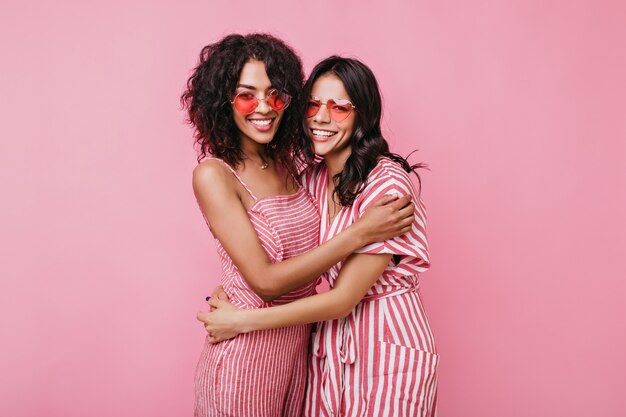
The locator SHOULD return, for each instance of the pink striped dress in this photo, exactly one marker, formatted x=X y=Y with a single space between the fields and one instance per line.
x=263 y=373
x=381 y=360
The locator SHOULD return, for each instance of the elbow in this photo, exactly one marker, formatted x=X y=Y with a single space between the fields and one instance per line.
x=343 y=313
x=264 y=290
x=344 y=308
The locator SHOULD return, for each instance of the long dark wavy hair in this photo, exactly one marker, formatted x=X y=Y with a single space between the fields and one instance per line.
x=367 y=141
x=214 y=81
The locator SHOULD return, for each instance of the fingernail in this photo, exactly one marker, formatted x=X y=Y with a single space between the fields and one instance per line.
x=208 y=298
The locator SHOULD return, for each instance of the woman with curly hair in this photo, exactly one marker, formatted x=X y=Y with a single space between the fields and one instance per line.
x=244 y=100
x=373 y=352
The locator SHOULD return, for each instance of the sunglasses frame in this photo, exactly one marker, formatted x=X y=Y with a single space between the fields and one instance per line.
x=338 y=101
x=258 y=100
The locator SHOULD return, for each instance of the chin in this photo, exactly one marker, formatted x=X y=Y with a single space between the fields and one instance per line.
x=264 y=140
x=318 y=151
x=322 y=149
x=261 y=138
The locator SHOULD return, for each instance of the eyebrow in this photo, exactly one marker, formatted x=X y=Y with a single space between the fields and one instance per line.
x=251 y=87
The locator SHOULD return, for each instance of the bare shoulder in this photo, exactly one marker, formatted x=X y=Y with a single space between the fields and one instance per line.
x=212 y=177
x=210 y=170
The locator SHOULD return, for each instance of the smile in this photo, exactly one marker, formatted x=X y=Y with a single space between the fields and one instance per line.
x=320 y=135
x=262 y=125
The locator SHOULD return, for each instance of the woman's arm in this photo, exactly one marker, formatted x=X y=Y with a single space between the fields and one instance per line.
x=216 y=192
x=357 y=275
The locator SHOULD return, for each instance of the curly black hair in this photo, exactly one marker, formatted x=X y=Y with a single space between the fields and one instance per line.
x=367 y=141
x=212 y=85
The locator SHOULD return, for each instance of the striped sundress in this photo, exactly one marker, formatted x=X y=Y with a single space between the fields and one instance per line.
x=381 y=360
x=262 y=373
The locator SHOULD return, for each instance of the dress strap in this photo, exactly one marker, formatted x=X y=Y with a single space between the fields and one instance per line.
x=236 y=176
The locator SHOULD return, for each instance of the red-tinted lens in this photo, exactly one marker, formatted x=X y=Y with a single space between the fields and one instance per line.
x=312 y=107
x=278 y=100
x=339 y=109
x=245 y=103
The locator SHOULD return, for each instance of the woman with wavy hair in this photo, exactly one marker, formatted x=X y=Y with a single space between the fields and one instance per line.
x=244 y=100
x=373 y=352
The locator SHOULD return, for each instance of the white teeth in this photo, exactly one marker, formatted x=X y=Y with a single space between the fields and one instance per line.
x=323 y=133
x=261 y=122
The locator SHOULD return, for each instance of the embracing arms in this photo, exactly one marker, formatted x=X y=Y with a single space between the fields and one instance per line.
x=357 y=275
x=216 y=191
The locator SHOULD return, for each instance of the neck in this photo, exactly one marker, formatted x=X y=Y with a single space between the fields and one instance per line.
x=336 y=162
x=254 y=151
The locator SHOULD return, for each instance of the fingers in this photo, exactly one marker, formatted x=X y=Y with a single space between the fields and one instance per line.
x=401 y=227
x=213 y=339
x=217 y=290
x=214 y=302
x=407 y=222
x=384 y=200
x=407 y=212
x=401 y=202
x=201 y=316
x=219 y=293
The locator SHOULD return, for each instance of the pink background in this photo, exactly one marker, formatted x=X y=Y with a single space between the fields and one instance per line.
x=518 y=107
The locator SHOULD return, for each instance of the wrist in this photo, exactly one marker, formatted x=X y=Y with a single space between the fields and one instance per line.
x=359 y=235
x=242 y=321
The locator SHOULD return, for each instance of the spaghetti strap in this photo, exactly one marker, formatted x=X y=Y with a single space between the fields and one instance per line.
x=236 y=176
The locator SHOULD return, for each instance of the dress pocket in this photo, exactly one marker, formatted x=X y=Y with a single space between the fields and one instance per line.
x=390 y=358
x=403 y=381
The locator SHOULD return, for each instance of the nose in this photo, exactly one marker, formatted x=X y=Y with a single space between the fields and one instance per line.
x=262 y=106
x=322 y=116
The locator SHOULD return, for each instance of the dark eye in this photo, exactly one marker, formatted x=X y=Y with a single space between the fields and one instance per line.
x=246 y=96
x=314 y=104
x=338 y=108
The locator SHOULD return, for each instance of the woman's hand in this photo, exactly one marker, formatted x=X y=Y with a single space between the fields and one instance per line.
x=386 y=218
x=221 y=322
x=218 y=293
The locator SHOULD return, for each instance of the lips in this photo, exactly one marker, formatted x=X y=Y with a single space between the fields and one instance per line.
x=322 y=135
x=262 y=125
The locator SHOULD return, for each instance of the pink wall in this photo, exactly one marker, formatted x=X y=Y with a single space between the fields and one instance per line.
x=517 y=106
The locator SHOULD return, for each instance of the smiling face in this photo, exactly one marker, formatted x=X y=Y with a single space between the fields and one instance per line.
x=330 y=138
x=261 y=125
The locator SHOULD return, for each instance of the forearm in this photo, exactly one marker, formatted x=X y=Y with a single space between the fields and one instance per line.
x=276 y=279
x=325 y=306
x=358 y=274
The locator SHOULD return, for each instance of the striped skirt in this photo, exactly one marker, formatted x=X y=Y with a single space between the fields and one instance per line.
x=258 y=374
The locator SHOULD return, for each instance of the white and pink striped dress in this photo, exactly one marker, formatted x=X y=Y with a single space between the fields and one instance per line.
x=263 y=373
x=381 y=360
